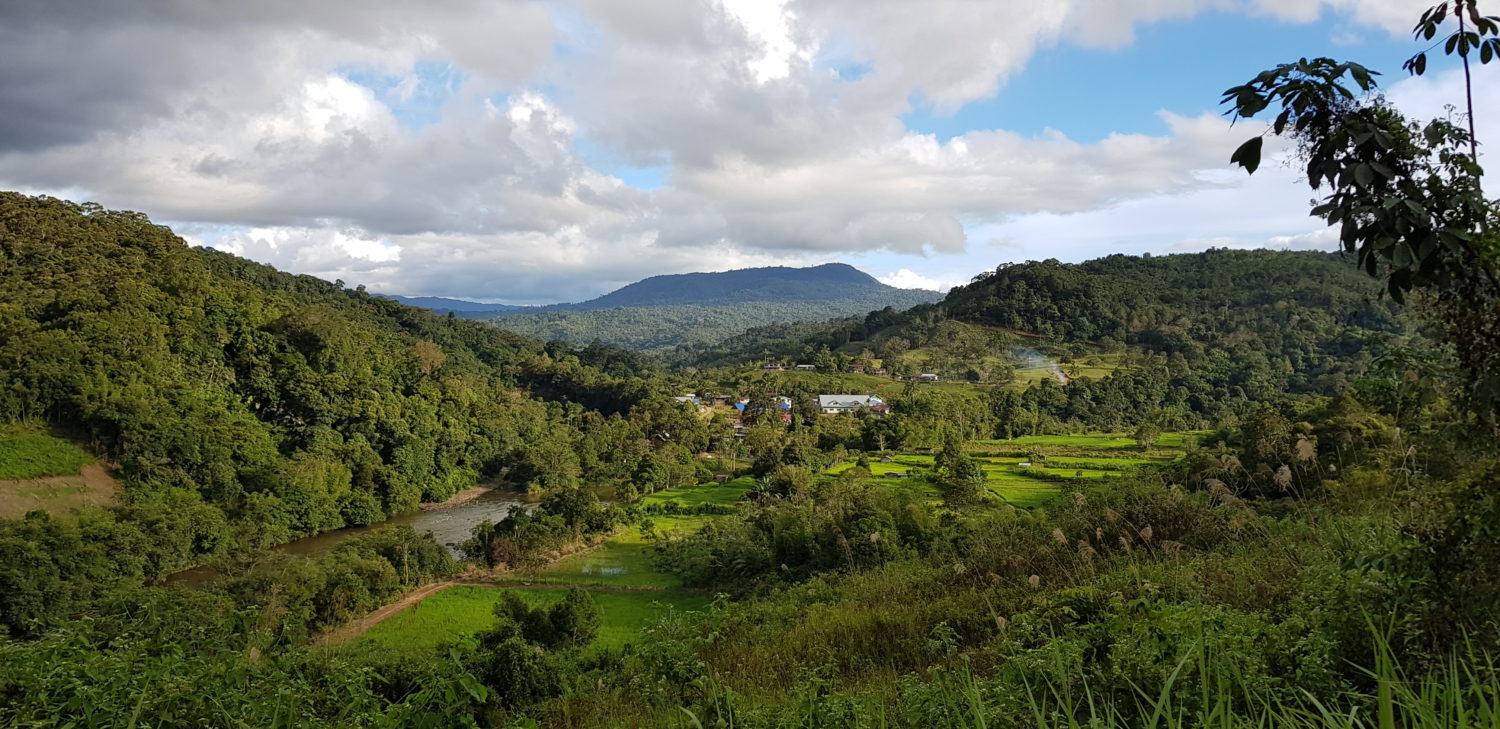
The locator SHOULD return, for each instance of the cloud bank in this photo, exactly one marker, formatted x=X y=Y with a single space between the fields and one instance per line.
x=484 y=148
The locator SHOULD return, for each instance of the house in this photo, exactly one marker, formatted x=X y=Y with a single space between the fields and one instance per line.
x=689 y=398
x=895 y=474
x=927 y=377
x=886 y=459
x=783 y=403
x=772 y=366
x=721 y=478
x=855 y=369
x=839 y=404
x=719 y=400
x=877 y=370
x=807 y=368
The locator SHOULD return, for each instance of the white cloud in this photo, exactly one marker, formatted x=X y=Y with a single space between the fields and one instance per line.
x=908 y=279
x=247 y=117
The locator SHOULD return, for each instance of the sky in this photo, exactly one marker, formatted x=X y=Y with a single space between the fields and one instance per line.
x=534 y=152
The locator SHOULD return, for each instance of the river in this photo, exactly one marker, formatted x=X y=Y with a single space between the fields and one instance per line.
x=450 y=525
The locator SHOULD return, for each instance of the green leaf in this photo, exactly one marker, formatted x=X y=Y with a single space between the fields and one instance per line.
x=1363 y=175
x=475 y=689
x=1419 y=66
x=1248 y=155
x=1401 y=256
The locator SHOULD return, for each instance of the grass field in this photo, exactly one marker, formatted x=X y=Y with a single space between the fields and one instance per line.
x=467 y=609
x=708 y=493
x=28 y=453
x=625 y=560
x=621 y=563
x=1099 y=367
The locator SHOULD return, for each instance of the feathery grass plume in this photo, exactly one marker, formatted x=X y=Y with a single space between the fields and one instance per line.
x=1034 y=580
x=1146 y=533
x=1085 y=551
x=1221 y=492
x=1306 y=451
x=1059 y=537
x=1079 y=499
x=1283 y=477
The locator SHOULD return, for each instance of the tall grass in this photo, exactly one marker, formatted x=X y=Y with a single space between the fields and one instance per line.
x=1462 y=692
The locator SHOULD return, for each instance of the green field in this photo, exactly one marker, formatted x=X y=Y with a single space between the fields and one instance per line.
x=625 y=560
x=28 y=453
x=708 y=493
x=616 y=566
x=1100 y=441
x=467 y=609
x=1108 y=455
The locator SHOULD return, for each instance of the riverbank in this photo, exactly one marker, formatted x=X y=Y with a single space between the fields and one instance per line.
x=463 y=497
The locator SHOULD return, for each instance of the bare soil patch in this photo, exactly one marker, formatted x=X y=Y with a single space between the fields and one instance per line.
x=56 y=495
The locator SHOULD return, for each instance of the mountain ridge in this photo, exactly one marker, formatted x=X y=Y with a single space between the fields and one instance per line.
x=761 y=283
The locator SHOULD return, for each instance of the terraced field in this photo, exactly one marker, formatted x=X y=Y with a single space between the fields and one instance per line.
x=1032 y=470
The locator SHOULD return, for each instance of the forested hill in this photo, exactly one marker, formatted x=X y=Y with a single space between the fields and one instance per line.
x=828 y=282
x=1155 y=300
x=1278 y=304
x=245 y=406
x=663 y=312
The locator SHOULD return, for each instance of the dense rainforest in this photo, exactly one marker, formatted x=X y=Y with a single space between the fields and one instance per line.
x=243 y=407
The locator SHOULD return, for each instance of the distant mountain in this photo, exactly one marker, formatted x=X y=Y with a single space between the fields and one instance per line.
x=663 y=312
x=442 y=306
x=828 y=282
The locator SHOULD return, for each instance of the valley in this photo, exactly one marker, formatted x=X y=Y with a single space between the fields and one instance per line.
x=1060 y=484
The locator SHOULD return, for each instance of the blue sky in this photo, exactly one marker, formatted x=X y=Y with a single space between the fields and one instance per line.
x=1176 y=65
x=532 y=152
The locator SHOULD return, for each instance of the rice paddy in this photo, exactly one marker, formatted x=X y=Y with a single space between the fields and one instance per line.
x=1031 y=470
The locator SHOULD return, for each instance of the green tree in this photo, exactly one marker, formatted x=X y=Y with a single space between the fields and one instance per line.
x=960 y=478
x=1406 y=197
x=1145 y=435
